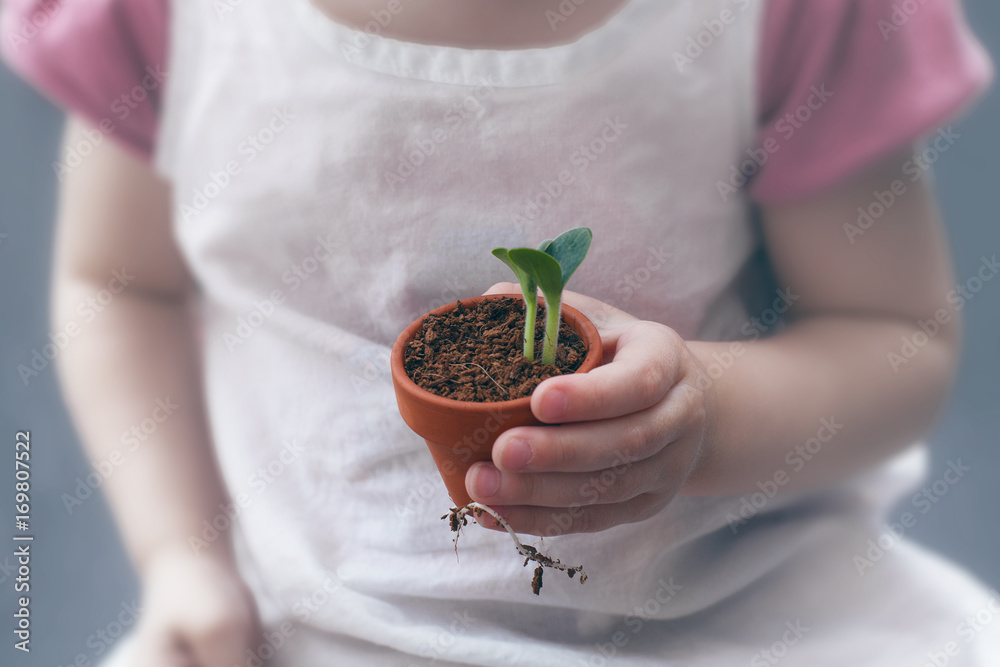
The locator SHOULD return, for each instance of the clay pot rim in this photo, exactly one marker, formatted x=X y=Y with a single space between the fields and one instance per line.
x=588 y=331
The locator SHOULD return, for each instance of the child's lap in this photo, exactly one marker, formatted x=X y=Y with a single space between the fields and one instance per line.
x=906 y=607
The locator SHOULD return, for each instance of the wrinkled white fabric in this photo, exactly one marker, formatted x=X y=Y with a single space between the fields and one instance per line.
x=330 y=189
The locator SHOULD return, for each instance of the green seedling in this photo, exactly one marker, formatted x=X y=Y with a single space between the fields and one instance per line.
x=530 y=291
x=548 y=268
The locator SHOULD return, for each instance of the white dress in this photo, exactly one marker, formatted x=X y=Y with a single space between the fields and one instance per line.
x=331 y=187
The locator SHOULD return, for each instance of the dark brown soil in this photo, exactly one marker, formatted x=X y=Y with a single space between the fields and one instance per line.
x=477 y=354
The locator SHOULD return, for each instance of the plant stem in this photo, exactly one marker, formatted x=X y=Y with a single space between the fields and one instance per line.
x=553 y=308
x=530 y=311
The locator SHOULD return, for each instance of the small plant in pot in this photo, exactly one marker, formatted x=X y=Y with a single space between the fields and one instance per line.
x=463 y=373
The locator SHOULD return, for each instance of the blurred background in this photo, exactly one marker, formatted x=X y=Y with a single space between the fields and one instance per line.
x=83 y=587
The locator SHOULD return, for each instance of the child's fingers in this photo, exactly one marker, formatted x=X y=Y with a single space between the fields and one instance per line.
x=504 y=288
x=597 y=445
x=610 y=321
x=648 y=361
x=491 y=487
x=659 y=474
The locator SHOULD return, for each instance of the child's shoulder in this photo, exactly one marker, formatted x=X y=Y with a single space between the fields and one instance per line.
x=841 y=85
x=105 y=60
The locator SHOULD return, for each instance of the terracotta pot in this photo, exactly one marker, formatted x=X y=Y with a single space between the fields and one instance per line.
x=459 y=433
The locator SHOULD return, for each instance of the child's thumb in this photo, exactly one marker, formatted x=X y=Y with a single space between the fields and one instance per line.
x=503 y=288
x=611 y=322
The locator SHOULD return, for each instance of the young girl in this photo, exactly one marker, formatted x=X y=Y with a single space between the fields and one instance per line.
x=314 y=176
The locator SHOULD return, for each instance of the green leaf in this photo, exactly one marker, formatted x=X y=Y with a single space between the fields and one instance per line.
x=542 y=267
x=527 y=284
x=529 y=290
x=569 y=249
x=548 y=268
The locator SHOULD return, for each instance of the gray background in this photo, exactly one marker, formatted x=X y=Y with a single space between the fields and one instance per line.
x=80 y=574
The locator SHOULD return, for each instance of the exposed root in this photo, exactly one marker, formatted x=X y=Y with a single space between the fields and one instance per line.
x=458 y=518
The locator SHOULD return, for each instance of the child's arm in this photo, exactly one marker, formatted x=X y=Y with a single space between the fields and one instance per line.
x=827 y=375
x=857 y=302
x=113 y=231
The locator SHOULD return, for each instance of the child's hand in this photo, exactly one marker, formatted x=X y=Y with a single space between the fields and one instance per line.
x=197 y=612
x=629 y=434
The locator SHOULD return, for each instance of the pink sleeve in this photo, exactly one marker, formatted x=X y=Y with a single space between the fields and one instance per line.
x=104 y=60
x=843 y=84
